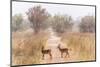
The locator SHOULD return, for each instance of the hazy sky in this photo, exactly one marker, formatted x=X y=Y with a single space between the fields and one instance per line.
x=72 y=10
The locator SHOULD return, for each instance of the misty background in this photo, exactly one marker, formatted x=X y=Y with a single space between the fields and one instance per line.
x=75 y=11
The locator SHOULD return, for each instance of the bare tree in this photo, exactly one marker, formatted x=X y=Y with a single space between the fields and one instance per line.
x=37 y=15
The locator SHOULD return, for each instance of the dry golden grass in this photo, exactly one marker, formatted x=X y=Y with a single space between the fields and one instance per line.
x=82 y=45
x=26 y=47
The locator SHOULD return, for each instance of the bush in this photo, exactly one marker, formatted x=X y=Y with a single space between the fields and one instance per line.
x=87 y=24
x=61 y=23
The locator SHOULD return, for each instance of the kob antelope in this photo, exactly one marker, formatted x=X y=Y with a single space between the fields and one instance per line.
x=63 y=50
x=46 y=51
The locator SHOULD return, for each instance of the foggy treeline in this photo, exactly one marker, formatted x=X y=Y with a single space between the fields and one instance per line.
x=38 y=19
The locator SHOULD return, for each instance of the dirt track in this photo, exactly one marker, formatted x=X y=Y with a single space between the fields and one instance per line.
x=52 y=44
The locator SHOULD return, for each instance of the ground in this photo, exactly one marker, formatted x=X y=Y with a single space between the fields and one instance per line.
x=82 y=48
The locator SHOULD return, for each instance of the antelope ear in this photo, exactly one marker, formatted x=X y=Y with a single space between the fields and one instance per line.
x=58 y=44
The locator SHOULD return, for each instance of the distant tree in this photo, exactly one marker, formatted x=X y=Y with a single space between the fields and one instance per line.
x=37 y=16
x=62 y=23
x=87 y=24
x=16 y=22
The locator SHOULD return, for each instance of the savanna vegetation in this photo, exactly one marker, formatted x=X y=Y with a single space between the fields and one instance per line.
x=28 y=36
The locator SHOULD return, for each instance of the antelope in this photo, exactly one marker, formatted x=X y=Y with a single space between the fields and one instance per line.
x=46 y=51
x=63 y=50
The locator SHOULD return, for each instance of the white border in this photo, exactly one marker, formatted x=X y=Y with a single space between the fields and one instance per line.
x=5 y=33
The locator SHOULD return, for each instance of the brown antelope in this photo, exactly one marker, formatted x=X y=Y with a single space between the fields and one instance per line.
x=46 y=51
x=63 y=50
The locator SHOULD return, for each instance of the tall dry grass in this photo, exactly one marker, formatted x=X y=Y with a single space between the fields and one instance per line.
x=82 y=45
x=26 y=47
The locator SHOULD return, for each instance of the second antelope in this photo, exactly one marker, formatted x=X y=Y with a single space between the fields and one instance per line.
x=63 y=50
x=46 y=51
